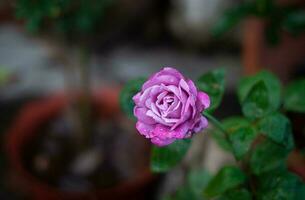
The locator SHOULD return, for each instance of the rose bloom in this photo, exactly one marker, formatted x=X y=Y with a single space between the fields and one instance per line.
x=169 y=107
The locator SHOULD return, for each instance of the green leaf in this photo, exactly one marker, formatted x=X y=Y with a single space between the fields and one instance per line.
x=227 y=178
x=257 y=103
x=221 y=140
x=129 y=90
x=260 y=94
x=213 y=84
x=277 y=127
x=197 y=181
x=241 y=135
x=185 y=193
x=239 y=194
x=294 y=96
x=231 y=18
x=294 y=22
x=192 y=189
x=165 y=158
x=268 y=156
x=280 y=185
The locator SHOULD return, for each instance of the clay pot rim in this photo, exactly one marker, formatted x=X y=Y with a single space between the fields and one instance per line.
x=38 y=112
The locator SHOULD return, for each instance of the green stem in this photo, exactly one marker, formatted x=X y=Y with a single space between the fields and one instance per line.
x=243 y=165
x=217 y=124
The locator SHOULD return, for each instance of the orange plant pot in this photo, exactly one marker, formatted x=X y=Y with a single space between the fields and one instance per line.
x=28 y=124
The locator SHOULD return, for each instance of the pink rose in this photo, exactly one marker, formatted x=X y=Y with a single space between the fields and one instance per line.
x=169 y=107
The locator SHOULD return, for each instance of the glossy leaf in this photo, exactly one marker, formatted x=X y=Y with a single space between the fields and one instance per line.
x=294 y=96
x=268 y=156
x=213 y=84
x=129 y=90
x=227 y=178
x=165 y=158
x=277 y=127
x=241 y=135
x=260 y=94
x=241 y=140
x=257 y=102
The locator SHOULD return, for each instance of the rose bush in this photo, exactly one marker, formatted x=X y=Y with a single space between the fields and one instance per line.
x=169 y=107
x=259 y=138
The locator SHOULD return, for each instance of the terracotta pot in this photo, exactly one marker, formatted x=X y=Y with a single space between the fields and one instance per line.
x=28 y=124
x=282 y=58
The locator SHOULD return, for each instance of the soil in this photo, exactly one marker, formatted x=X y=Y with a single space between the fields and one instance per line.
x=116 y=153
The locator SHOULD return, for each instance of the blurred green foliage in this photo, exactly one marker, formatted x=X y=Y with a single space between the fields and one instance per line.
x=262 y=139
x=165 y=158
x=227 y=178
x=129 y=90
x=241 y=135
x=294 y=96
x=192 y=188
x=69 y=17
x=213 y=84
x=259 y=95
x=277 y=17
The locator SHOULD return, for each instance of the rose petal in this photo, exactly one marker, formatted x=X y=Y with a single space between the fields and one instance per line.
x=163 y=79
x=162 y=142
x=145 y=129
x=171 y=71
x=193 y=89
x=184 y=86
x=181 y=131
x=157 y=118
x=201 y=124
x=159 y=99
x=136 y=98
x=174 y=112
x=204 y=99
x=169 y=107
x=172 y=88
x=140 y=113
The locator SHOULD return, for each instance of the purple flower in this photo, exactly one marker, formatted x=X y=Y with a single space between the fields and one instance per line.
x=169 y=107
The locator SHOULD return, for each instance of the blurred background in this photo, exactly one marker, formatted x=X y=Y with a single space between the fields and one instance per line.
x=64 y=62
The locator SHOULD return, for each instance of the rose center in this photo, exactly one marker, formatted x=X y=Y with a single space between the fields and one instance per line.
x=168 y=100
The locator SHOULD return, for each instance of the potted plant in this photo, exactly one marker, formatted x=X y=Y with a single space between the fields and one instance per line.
x=260 y=139
x=60 y=147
